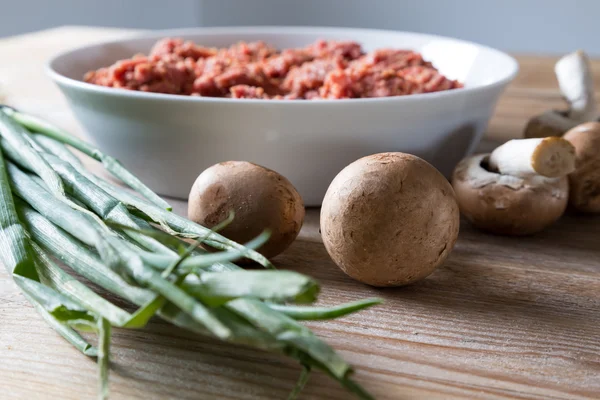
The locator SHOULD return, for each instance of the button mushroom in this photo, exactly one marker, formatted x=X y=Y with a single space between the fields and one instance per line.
x=585 y=180
x=260 y=198
x=389 y=219
x=577 y=87
x=507 y=193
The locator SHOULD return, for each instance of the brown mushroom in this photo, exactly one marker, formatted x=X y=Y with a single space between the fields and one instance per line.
x=577 y=87
x=550 y=123
x=389 y=219
x=260 y=198
x=506 y=204
x=585 y=181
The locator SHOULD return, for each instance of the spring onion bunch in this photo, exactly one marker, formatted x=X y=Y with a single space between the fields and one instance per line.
x=55 y=213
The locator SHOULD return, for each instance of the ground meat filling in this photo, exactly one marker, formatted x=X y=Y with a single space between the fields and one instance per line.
x=180 y=49
x=384 y=73
x=309 y=76
x=256 y=70
x=247 y=92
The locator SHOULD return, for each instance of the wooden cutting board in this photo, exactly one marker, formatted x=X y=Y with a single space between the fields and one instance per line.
x=503 y=318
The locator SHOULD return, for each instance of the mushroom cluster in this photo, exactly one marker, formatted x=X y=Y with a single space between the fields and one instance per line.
x=526 y=184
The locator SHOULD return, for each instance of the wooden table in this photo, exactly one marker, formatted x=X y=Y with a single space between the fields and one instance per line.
x=503 y=318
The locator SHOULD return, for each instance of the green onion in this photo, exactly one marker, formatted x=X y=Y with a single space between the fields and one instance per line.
x=190 y=264
x=17 y=140
x=143 y=315
x=304 y=375
x=15 y=250
x=62 y=215
x=357 y=389
x=103 y=356
x=57 y=305
x=101 y=203
x=111 y=164
x=17 y=256
x=150 y=278
x=217 y=288
x=102 y=233
x=317 y=313
x=55 y=277
x=177 y=225
x=15 y=135
x=87 y=194
x=113 y=252
x=292 y=333
x=77 y=256
x=56 y=148
x=94 y=197
x=69 y=334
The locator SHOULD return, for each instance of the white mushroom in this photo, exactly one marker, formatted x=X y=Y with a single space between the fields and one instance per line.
x=550 y=157
x=577 y=87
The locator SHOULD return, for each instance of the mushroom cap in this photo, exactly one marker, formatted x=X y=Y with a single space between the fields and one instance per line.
x=260 y=198
x=585 y=181
x=550 y=123
x=505 y=204
x=389 y=219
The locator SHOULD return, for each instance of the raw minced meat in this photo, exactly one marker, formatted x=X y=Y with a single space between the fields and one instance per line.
x=385 y=73
x=256 y=70
x=247 y=92
x=310 y=75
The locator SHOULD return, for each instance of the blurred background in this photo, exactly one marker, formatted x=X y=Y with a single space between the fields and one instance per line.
x=521 y=26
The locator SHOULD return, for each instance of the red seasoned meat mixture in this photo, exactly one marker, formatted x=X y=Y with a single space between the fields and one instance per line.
x=256 y=70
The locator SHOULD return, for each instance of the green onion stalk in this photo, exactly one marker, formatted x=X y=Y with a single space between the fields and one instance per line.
x=55 y=213
x=112 y=165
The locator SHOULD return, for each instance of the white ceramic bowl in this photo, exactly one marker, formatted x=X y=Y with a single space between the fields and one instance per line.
x=167 y=140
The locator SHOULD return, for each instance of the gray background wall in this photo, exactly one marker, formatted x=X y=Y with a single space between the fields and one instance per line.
x=526 y=26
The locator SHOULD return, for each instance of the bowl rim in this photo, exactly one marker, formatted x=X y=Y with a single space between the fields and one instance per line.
x=59 y=78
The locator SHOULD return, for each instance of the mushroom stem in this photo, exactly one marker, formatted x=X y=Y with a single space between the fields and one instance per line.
x=577 y=86
x=551 y=157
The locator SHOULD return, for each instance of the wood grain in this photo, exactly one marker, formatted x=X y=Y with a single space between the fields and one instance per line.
x=503 y=318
